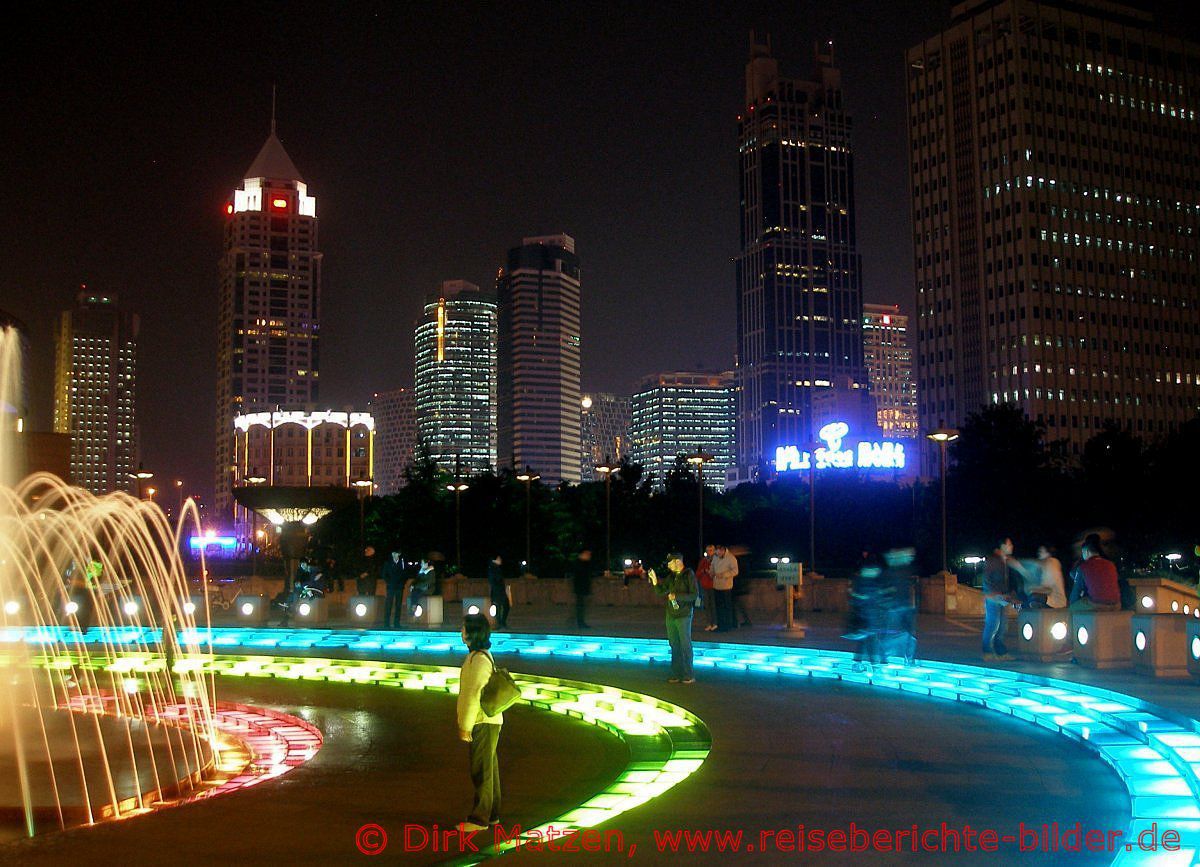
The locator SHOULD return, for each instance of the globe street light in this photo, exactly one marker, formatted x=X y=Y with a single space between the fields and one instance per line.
x=943 y=436
x=698 y=459
x=607 y=469
x=179 y=491
x=150 y=492
x=528 y=477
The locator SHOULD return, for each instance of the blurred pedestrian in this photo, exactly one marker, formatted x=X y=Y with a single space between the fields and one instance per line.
x=393 y=583
x=581 y=585
x=998 y=595
x=476 y=728
x=498 y=590
x=704 y=579
x=679 y=588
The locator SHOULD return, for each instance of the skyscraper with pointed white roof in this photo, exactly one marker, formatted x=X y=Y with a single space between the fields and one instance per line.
x=270 y=305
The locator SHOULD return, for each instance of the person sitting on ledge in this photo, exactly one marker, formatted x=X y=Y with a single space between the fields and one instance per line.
x=1095 y=586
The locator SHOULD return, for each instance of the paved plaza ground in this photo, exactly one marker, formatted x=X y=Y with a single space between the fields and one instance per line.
x=785 y=753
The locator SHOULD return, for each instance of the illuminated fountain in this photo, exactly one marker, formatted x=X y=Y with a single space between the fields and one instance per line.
x=81 y=739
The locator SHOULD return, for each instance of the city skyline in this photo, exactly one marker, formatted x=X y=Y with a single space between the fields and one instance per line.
x=160 y=158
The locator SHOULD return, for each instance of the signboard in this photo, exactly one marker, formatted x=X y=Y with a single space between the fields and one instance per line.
x=788 y=575
x=837 y=454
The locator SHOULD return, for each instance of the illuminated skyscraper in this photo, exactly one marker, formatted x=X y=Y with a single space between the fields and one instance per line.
x=677 y=414
x=455 y=382
x=395 y=437
x=95 y=391
x=605 y=429
x=268 y=319
x=799 y=331
x=889 y=365
x=539 y=359
x=1054 y=164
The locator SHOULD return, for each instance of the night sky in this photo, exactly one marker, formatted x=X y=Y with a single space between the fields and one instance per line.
x=434 y=137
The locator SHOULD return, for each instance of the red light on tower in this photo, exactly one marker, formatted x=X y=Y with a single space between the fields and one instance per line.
x=229 y=208
x=279 y=204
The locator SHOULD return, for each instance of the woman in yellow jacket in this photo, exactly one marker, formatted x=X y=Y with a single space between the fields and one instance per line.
x=475 y=727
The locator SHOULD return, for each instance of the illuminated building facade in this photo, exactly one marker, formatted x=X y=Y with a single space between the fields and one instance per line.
x=95 y=391
x=395 y=417
x=676 y=414
x=799 y=292
x=268 y=319
x=1054 y=164
x=455 y=377
x=604 y=424
x=539 y=391
x=890 y=368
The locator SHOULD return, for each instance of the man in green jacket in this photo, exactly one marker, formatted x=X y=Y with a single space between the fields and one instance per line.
x=679 y=586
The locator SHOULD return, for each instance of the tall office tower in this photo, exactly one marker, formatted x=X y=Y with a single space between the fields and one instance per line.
x=890 y=368
x=1054 y=166
x=455 y=380
x=95 y=391
x=684 y=413
x=395 y=437
x=539 y=359
x=268 y=320
x=799 y=330
x=604 y=426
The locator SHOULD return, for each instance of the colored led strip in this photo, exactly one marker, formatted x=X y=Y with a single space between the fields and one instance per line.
x=666 y=743
x=1155 y=752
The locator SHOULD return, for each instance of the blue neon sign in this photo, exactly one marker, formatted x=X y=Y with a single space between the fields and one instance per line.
x=837 y=454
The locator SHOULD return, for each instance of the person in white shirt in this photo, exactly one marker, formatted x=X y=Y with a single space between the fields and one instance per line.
x=724 y=570
x=1050 y=591
x=478 y=729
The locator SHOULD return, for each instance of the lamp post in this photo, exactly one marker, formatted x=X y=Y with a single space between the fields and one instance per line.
x=528 y=477
x=141 y=476
x=607 y=469
x=698 y=459
x=943 y=436
x=363 y=485
x=150 y=492
x=179 y=491
x=254 y=479
x=458 y=488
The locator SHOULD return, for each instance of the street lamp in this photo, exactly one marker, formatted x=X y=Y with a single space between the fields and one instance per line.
x=607 y=469
x=141 y=476
x=363 y=485
x=528 y=477
x=943 y=436
x=179 y=491
x=457 y=488
x=150 y=492
x=698 y=459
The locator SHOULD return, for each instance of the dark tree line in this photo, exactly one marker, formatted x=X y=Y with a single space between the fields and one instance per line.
x=1003 y=479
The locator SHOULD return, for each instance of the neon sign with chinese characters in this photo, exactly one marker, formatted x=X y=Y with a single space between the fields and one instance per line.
x=837 y=454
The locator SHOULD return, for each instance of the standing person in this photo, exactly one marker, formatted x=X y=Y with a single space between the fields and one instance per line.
x=900 y=616
x=724 y=570
x=679 y=586
x=863 y=622
x=393 y=582
x=997 y=596
x=581 y=585
x=366 y=580
x=1050 y=591
x=498 y=591
x=476 y=728
x=1095 y=586
x=704 y=579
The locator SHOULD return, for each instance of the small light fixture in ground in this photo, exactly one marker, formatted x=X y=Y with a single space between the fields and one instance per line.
x=472 y=609
x=1027 y=632
x=130 y=685
x=418 y=611
x=1174 y=604
x=247 y=608
x=12 y=606
x=1081 y=635
x=189 y=607
x=1196 y=647
x=130 y=608
x=1058 y=631
x=360 y=610
x=72 y=607
x=1139 y=640
x=1147 y=602
x=305 y=609
x=492 y=611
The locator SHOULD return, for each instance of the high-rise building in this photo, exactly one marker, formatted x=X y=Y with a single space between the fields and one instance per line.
x=395 y=437
x=682 y=413
x=890 y=368
x=1054 y=166
x=799 y=331
x=269 y=314
x=604 y=422
x=95 y=391
x=455 y=381
x=539 y=392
